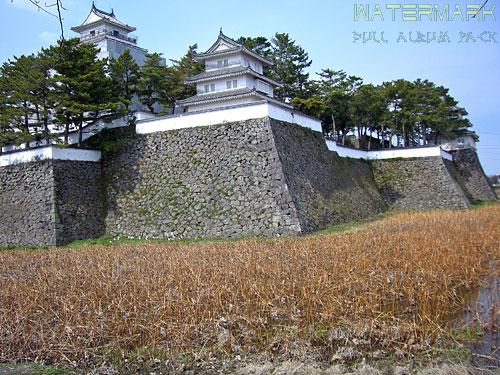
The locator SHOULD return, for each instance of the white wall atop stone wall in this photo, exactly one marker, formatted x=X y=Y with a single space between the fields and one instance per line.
x=418 y=152
x=230 y=114
x=49 y=153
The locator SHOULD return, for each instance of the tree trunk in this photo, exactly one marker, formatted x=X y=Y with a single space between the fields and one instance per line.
x=335 y=137
x=26 y=122
x=66 y=131
x=80 y=131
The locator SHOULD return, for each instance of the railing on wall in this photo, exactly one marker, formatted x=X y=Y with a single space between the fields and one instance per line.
x=131 y=39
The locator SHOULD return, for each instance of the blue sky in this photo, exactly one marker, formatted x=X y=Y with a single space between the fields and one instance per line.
x=323 y=27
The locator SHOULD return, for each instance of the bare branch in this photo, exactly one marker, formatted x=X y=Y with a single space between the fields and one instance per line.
x=58 y=4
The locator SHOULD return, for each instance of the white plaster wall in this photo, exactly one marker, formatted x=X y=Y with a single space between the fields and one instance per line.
x=459 y=144
x=190 y=120
x=388 y=153
x=220 y=115
x=221 y=85
x=225 y=103
x=115 y=48
x=279 y=113
x=49 y=153
x=234 y=59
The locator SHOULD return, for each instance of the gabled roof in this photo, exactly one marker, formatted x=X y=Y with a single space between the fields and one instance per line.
x=223 y=42
x=225 y=45
x=97 y=15
x=230 y=72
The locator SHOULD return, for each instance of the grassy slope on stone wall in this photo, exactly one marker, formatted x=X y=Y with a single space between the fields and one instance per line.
x=387 y=289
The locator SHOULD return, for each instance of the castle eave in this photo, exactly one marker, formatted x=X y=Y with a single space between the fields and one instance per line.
x=230 y=72
x=203 y=56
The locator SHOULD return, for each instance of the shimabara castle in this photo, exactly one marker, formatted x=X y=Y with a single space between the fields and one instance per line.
x=233 y=161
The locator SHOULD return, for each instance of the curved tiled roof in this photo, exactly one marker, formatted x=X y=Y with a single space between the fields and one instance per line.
x=233 y=46
x=97 y=15
x=217 y=73
x=229 y=72
x=229 y=94
x=217 y=95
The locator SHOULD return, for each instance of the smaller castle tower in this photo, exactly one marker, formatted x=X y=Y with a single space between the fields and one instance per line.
x=233 y=75
x=463 y=139
x=110 y=35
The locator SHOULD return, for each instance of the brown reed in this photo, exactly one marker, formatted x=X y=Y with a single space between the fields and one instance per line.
x=396 y=281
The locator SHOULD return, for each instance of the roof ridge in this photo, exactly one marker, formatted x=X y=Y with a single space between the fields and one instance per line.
x=110 y=14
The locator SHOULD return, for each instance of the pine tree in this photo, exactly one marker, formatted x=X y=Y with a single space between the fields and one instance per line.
x=290 y=64
x=153 y=85
x=179 y=72
x=259 y=45
x=124 y=73
x=7 y=133
x=84 y=90
x=19 y=109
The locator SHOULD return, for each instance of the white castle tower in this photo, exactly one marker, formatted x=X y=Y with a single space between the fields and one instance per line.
x=234 y=75
x=110 y=35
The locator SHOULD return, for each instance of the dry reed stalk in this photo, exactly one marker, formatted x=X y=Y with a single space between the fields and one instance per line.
x=392 y=283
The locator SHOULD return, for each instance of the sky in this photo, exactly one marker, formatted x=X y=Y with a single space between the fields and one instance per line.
x=459 y=52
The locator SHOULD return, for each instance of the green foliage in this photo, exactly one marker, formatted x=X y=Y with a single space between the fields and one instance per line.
x=259 y=45
x=152 y=87
x=26 y=99
x=84 y=90
x=179 y=72
x=68 y=86
x=290 y=62
x=110 y=140
x=124 y=74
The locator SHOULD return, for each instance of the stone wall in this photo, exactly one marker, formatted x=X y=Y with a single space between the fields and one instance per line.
x=418 y=184
x=50 y=203
x=471 y=176
x=251 y=178
x=79 y=200
x=259 y=177
x=223 y=180
x=326 y=189
x=27 y=205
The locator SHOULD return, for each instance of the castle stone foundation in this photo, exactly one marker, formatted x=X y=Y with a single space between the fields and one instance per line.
x=258 y=177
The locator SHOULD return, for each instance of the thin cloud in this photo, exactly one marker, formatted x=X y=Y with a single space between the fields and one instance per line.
x=48 y=37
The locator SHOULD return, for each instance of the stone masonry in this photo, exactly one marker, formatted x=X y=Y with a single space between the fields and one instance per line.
x=50 y=203
x=471 y=176
x=224 y=180
x=259 y=177
x=27 y=205
x=418 y=184
x=326 y=189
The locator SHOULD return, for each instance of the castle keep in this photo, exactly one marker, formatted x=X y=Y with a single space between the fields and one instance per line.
x=237 y=162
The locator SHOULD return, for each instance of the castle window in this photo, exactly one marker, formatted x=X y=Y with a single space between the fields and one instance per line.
x=212 y=87
x=207 y=88
x=219 y=64
x=92 y=32
x=235 y=83
x=226 y=62
x=228 y=84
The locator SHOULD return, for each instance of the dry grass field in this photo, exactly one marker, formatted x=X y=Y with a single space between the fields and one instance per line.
x=390 y=287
